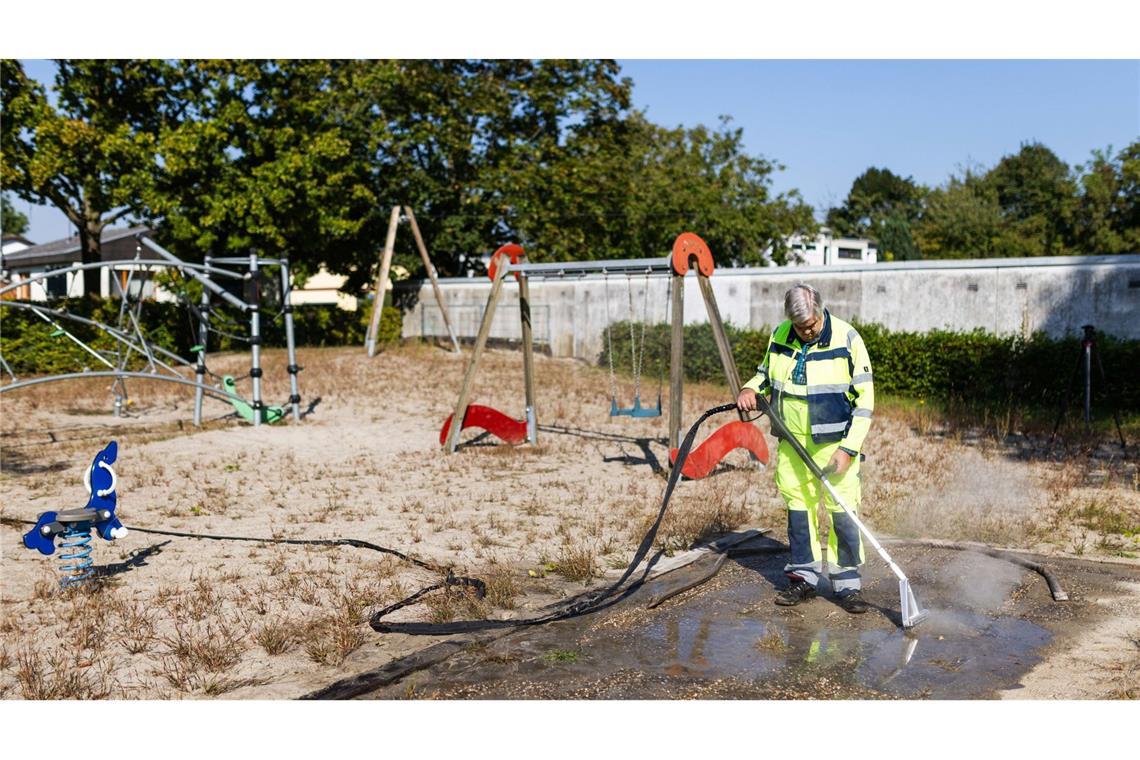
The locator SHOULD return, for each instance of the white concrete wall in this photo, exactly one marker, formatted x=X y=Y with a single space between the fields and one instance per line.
x=1003 y=296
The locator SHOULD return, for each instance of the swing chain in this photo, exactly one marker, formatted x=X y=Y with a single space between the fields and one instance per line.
x=609 y=338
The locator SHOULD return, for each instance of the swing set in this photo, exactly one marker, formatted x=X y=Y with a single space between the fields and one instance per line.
x=636 y=351
x=689 y=252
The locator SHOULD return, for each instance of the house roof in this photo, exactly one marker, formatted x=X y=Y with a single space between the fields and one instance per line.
x=118 y=245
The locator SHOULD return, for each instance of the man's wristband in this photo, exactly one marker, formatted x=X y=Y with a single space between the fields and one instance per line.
x=853 y=454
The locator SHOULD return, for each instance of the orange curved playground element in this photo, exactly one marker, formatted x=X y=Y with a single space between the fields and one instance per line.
x=489 y=419
x=734 y=435
x=688 y=244
x=512 y=250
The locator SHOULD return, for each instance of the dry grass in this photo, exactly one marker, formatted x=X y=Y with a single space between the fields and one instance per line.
x=135 y=626
x=576 y=562
x=452 y=603
x=504 y=586
x=202 y=618
x=275 y=636
x=55 y=675
x=329 y=640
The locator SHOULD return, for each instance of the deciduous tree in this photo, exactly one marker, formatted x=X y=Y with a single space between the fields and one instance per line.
x=91 y=151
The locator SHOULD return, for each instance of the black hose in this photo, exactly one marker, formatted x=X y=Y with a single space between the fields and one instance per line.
x=451 y=580
x=593 y=603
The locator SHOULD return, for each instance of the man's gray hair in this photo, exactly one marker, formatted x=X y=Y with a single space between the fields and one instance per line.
x=803 y=302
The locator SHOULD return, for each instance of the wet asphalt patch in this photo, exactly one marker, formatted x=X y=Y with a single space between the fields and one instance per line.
x=990 y=622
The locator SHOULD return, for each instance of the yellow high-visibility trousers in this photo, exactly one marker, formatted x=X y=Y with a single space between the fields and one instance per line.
x=801 y=492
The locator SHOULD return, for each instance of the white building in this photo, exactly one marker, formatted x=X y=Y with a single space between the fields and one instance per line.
x=827 y=250
x=20 y=261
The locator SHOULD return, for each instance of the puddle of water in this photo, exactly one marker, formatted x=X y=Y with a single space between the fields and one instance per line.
x=953 y=654
x=732 y=634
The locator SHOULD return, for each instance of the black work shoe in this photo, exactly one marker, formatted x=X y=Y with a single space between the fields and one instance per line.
x=799 y=591
x=854 y=603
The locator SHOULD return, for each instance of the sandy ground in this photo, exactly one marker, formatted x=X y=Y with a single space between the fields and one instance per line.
x=184 y=618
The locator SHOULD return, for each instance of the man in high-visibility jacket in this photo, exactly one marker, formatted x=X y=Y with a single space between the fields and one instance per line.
x=818 y=375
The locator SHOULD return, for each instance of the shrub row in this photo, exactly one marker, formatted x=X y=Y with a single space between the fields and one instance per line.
x=31 y=345
x=975 y=367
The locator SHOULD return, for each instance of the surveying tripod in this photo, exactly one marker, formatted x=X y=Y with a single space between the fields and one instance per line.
x=1084 y=362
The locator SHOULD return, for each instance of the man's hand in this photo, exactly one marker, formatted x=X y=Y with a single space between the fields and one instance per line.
x=746 y=401
x=839 y=463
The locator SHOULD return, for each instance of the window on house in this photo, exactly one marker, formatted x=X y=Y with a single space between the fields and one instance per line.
x=56 y=286
x=851 y=253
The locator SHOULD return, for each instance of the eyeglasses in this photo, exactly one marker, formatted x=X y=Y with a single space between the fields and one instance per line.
x=810 y=329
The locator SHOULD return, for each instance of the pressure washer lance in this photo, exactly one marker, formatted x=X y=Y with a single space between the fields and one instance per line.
x=912 y=614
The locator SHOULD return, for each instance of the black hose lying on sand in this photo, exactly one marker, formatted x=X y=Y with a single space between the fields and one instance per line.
x=593 y=603
x=1059 y=594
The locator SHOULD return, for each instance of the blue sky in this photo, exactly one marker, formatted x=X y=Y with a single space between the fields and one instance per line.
x=827 y=121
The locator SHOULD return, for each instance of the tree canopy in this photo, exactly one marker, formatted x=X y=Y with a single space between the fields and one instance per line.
x=91 y=153
x=883 y=206
x=1028 y=204
x=305 y=159
x=12 y=222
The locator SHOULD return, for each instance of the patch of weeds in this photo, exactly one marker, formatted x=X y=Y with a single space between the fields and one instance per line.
x=329 y=640
x=444 y=606
x=275 y=637
x=43 y=589
x=1105 y=517
x=502 y=587
x=53 y=676
x=212 y=648
x=561 y=655
x=576 y=563
x=215 y=685
x=771 y=641
x=135 y=626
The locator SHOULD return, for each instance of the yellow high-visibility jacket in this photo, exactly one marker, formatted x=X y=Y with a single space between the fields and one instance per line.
x=838 y=399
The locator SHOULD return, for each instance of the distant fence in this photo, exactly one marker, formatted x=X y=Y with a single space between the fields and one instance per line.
x=1054 y=295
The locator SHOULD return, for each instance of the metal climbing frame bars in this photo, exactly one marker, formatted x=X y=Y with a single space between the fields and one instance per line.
x=161 y=363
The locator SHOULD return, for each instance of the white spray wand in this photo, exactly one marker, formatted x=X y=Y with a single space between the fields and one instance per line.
x=912 y=614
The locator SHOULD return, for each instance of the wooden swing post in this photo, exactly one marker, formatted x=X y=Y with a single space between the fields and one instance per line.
x=381 y=286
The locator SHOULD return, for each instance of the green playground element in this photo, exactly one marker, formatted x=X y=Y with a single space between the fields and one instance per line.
x=269 y=414
x=57 y=332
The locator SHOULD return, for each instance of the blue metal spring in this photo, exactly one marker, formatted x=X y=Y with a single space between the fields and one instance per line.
x=75 y=557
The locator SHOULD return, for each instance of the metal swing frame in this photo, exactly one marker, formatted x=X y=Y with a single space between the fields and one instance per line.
x=511 y=260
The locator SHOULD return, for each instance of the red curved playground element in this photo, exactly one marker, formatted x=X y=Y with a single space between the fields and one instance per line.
x=491 y=420
x=688 y=244
x=734 y=435
x=513 y=250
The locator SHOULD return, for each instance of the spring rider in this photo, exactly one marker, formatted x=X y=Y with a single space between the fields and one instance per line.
x=74 y=526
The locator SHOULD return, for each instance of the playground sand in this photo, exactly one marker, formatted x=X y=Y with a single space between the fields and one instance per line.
x=182 y=618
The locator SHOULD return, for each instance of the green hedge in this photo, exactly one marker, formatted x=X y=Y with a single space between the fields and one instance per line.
x=973 y=368
x=28 y=345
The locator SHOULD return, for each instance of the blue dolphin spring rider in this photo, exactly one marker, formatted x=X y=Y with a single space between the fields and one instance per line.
x=74 y=526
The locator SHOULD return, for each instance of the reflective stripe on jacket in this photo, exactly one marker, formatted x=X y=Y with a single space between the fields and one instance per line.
x=839 y=397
